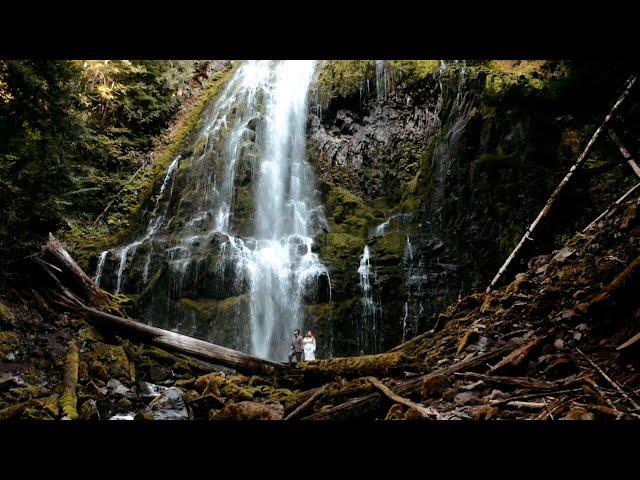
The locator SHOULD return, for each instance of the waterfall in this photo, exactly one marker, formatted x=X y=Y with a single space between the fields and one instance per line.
x=382 y=79
x=367 y=337
x=415 y=279
x=253 y=141
x=100 y=267
x=279 y=263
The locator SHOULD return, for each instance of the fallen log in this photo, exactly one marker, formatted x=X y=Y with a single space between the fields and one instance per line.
x=533 y=405
x=632 y=341
x=551 y=201
x=68 y=285
x=364 y=365
x=184 y=344
x=70 y=273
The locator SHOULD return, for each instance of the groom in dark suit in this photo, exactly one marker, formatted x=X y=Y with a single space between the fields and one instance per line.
x=296 y=347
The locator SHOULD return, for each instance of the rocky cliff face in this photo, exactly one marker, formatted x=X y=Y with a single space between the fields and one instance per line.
x=439 y=172
x=435 y=167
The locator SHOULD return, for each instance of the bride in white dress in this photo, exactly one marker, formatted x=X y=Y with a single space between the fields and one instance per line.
x=309 y=346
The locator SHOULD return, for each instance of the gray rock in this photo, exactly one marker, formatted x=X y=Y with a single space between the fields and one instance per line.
x=115 y=387
x=169 y=405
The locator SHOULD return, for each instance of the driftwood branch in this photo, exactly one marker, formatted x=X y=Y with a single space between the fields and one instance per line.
x=552 y=199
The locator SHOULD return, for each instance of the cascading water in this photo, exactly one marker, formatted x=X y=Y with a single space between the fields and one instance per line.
x=382 y=79
x=253 y=140
x=101 y=261
x=367 y=335
x=415 y=279
x=280 y=265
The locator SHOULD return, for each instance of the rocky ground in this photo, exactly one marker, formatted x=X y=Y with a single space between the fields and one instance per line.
x=556 y=343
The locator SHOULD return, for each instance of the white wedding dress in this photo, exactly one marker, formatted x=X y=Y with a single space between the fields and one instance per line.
x=309 y=346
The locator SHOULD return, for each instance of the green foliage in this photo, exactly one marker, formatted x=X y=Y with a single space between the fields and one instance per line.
x=71 y=132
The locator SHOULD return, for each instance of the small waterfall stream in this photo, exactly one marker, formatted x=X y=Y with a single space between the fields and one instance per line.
x=367 y=335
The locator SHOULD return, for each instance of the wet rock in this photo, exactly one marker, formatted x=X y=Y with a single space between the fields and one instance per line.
x=116 y=388
x=169 y=405
x=250 y=411
x=629 y=218
x=145 y=414
x=122 y=416
x=498 y=395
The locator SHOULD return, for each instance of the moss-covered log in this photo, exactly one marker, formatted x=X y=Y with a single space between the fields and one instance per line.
x=364 y=365
x=69 y=399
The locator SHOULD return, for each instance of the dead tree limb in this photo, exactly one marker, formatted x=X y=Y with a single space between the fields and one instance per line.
x=552 y=199
x=424 y=411
x=612 y=207
x=307 y=403
x=625 y=153
x=519 y=382
x=632 y=341
x=613 y=383
x=366 y=404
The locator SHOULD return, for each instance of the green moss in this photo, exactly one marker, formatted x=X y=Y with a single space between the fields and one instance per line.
x=390 y=248
x=110 y=361
x=413 y=71
x=6 y=314
x=339 y=246
x=8 y=342
x=69 y=400
x=342 y=78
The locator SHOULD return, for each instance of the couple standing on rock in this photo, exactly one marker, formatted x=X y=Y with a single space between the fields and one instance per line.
x=300 y=345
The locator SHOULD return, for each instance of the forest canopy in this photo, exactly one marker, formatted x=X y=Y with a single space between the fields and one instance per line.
x=71 y=132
